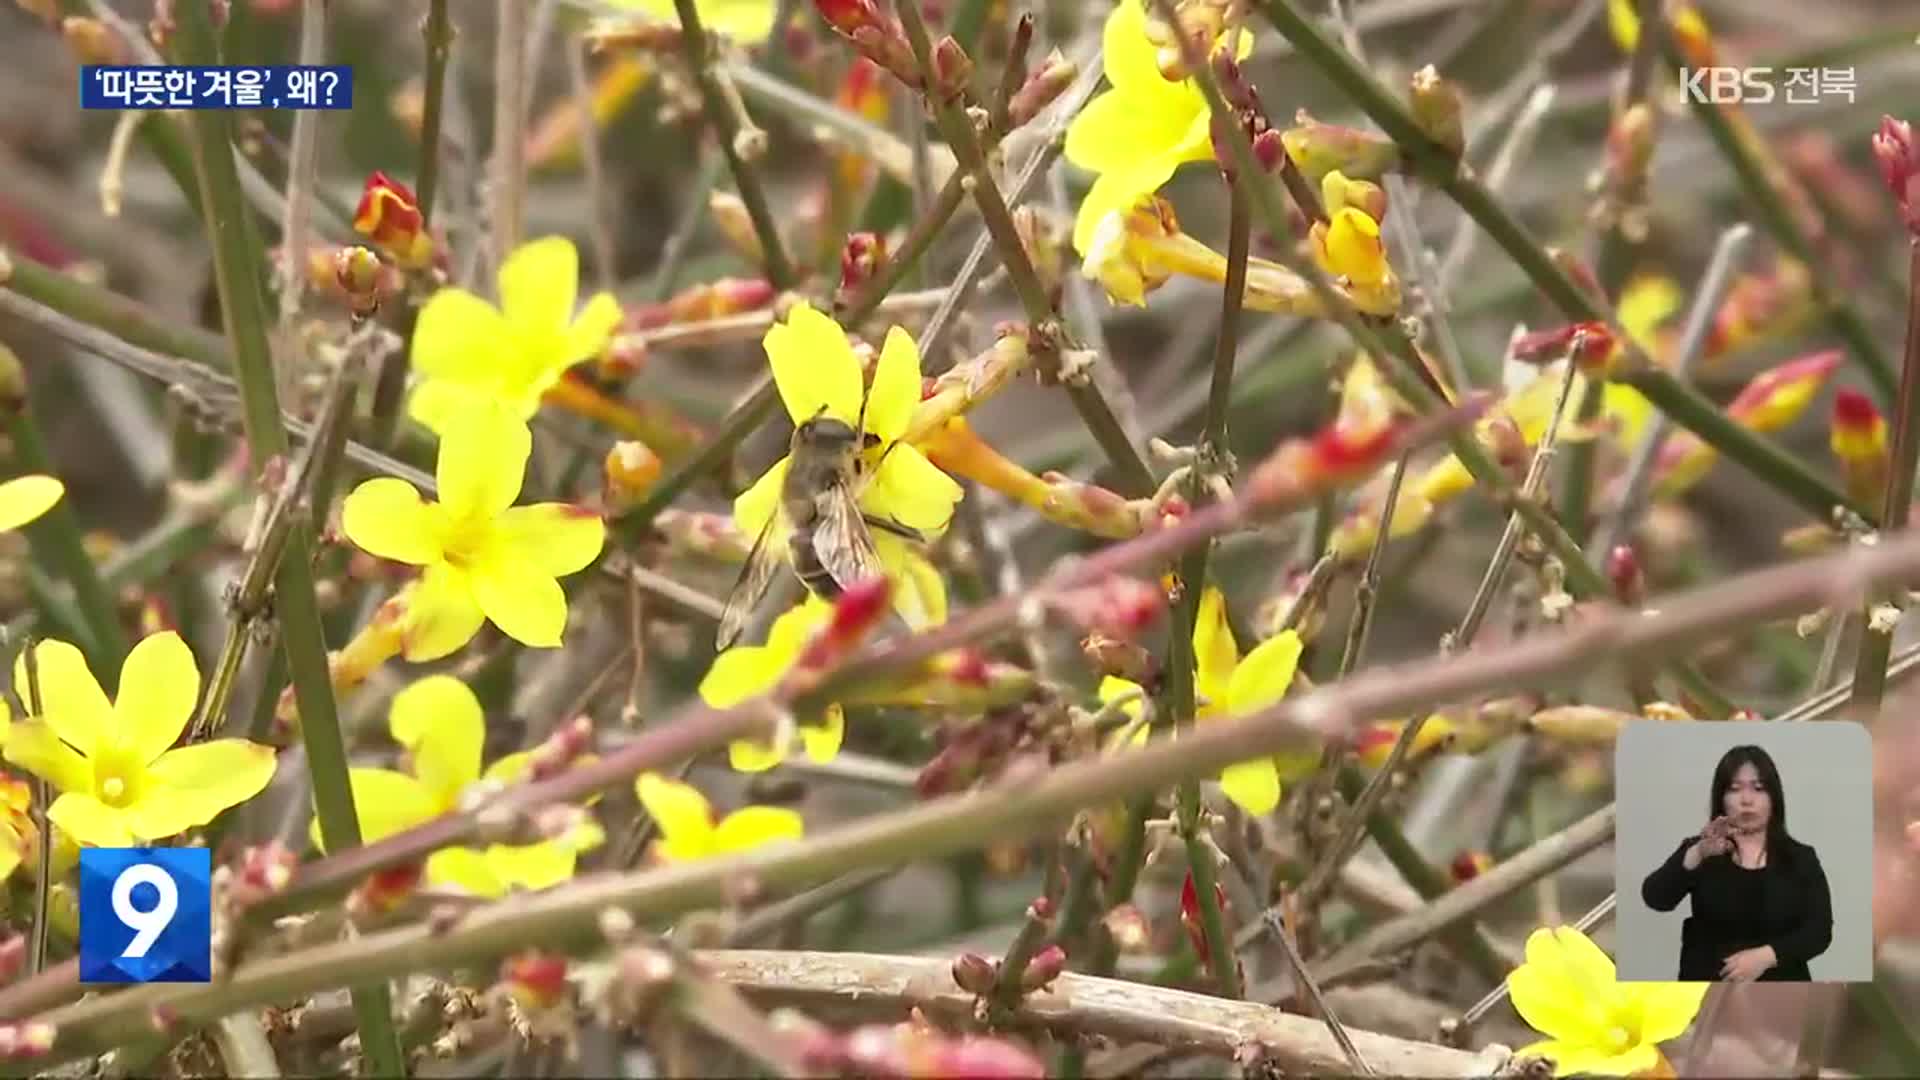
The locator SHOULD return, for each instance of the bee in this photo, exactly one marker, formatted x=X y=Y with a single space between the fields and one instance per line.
x=830 y=544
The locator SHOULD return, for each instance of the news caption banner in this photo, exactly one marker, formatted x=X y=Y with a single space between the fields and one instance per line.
x=280 y=86
x=1765 y=85
x=146 y=915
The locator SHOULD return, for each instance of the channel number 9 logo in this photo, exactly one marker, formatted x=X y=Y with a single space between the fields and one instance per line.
x=146 y=915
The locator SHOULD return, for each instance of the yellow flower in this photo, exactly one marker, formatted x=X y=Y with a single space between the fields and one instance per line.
x=24 y=498
x=1566 y=990
x=119 y=780
x=20 y=834
x=439 y=722
x=1137 y=133
x=484 y=558
x=473 y=355
x=1229 y=685
x=687 y=828
x=818 y=375
x=746 y=671
x=743 y=20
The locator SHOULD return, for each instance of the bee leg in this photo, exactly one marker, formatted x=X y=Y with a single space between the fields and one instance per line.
x=888 y=525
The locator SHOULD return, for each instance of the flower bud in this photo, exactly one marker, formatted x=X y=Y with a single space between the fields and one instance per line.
x=860 y=257
x=94 y=42
x=1623 y=571
x=632 y=468
x=1469 y=865
x=975 y=973
x=1859 y=440
x=1318 y=148
x=1046 y=966
x=1192 y=919
x=535 y=979
x=357 y=270
x=1337 y=192
x=1269 y=149
x=1590 y=344
x=952 y=68
x=1899 y=159
x=1437 y=109
x=1127 y=660
x=1630 y=143
x=390 y=216
x=384 y=890
x=1042 y=87
x=876 y=36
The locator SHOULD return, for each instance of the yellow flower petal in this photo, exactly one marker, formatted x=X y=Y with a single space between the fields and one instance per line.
x=822 y=741
x=459 y=336
x=1120 y=130
x=90 y=821
x=531 y=866
x=753 y=826
x=912 y=491
x=743 y=20
x=683 y=814
x=1116 y=192
x=895 y=392
x=742 y=672
x=193 y=785
x=71 y=700
x=36 y=748
x=1645 y=303
x=159 y=685
x=1667 y=1009
x=1264 y=676
x=1111 y=689
x=439 y=720
x=527 y=606
x=1548 y=999
x=754 y=507
x=464 y=869
x=1127 y=55
x=482 y=463
x=386 y=517
x=919 y=592
x=24 y=498
x=1353 y=247
x=386 y=802
x=539 y=283
x=442 y=614
x=1214 y=651
x=755 y=755
x=554 y=538
x=436 y=402
x=588 y=334
x=813 y=366
x=1253 y=785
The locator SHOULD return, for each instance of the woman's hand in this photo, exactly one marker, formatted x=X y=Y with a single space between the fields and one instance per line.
x=1748 y=964
x=1715 y=839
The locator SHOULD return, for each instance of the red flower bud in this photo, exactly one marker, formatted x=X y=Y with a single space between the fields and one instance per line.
x=975 y=973
x=1623 y=570
x=1469 y=865
x=1899 y=160
x=536 y=979
x=389 y=215
x=1046 y=966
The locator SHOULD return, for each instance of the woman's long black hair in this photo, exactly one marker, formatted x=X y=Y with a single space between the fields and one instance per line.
x=1780 y=843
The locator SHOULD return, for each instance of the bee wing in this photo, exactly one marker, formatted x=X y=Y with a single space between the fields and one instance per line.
x=842 y=542
x=749 y=587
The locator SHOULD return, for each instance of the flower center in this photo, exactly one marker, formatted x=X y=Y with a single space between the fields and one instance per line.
x=1619 y=1038
x=115 y=790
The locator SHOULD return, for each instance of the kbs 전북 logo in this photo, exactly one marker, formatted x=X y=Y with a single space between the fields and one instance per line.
x=146 y=915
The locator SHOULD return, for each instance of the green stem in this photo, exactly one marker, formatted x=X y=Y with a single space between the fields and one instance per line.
x=59 y=542
x=1876 y=645
x=111 y=312
x=1777 y=217
x=437 y=34
x=1433 y=163
x=238 y=273
x=726 y=128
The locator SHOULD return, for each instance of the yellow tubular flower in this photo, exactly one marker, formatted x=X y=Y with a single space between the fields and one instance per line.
x=24 y=499
x=745 y=21
x=440 y=723
x=818 y=375
x=483 y=557
x=1566 y=990
x=1137 y=133
x=473 y=355
x=1229 y=685
x=119 y=779
x=687 y=828
x=745 y=671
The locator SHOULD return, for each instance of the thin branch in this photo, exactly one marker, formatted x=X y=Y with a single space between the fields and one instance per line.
x=1876 y=637
x=1081 y=1005
x=509 y=179
x=1693 y=339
